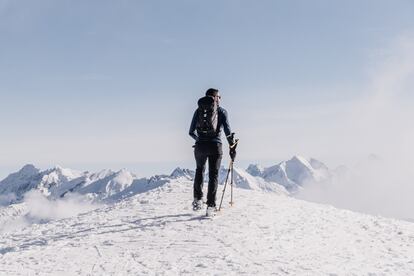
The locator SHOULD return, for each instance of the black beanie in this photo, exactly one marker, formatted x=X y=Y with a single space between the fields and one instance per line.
x=212 y=92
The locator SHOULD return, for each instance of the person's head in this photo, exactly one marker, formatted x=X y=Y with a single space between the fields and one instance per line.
x=212 y=92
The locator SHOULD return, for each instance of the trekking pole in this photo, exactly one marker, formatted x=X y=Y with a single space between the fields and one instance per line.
x=232 y=172
x=231 y=184
x=225 y=184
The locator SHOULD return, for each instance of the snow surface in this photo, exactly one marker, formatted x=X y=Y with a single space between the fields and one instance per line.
x=157 y=233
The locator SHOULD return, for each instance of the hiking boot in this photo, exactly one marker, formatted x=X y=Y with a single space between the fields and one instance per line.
x=211 y=211
x=197 y=204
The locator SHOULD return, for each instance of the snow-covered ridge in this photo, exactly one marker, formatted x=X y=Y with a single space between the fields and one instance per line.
x=59 y=182
x=111 y=185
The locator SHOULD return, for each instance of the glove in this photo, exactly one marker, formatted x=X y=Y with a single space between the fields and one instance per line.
x=232 y=153
x=230 y=139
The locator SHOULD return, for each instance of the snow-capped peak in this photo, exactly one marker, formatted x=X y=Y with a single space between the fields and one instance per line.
x=255 y=170
x=180 y=172
x=298 y=158
x=243 y=179
x=28 y=170
x=53 y=179
x=299 y=169
x=100 y=175
x=67 y=174
x=121 y=180
x=293 y=173
x=20 y=182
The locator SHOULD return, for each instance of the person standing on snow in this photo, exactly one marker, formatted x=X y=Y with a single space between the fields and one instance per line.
x=208 y=120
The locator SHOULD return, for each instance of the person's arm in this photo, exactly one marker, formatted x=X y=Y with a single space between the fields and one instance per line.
x=192 y=131
x=229 y=135
x=226 y=127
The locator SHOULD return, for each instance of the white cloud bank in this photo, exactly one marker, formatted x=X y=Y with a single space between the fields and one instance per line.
x=380 y=123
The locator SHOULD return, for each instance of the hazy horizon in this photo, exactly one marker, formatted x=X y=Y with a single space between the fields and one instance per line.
x=98 y=82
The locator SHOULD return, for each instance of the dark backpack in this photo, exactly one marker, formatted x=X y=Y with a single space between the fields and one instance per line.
x=207 y=117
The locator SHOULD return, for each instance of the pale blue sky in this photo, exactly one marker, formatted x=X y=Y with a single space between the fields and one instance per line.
x=97 y=83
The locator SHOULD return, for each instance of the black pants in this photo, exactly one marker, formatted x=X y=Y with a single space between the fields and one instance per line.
x=213 y=152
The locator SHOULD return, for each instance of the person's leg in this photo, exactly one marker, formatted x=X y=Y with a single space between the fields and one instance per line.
x=201 y=160
x=214 y=162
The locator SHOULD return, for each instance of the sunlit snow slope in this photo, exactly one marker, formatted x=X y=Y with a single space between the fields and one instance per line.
x=157 y=233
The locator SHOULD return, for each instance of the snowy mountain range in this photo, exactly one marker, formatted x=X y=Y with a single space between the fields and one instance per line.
x=108 y=185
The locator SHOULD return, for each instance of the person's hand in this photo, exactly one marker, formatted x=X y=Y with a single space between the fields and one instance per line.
x=232 y=153
x=231 y=141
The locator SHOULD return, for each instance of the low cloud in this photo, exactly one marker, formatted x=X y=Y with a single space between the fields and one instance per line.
x=36 y=208
x=379 y=123
x=41 y=208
